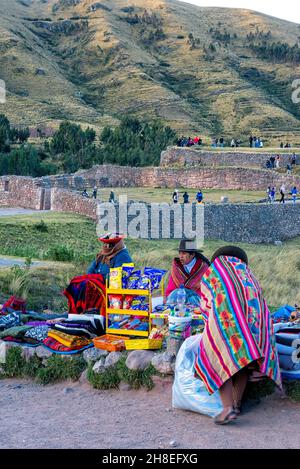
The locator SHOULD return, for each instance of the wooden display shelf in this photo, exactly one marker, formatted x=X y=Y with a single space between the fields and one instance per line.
x=121 y=291
x=127 y=332
x=129 y=312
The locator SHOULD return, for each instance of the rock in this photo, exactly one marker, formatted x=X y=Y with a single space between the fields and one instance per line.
x=173 y=345
x=42 y=352
x=83 y=377
x=173 y=443
x=28 y=352
x=68 y=390
x=278 y=243
x=93 y=354
x=139 y=359
x=99 y=366
x=112 y=359
x=124 y=386
x=164 y=363
x=224 y=200
x=40 y=71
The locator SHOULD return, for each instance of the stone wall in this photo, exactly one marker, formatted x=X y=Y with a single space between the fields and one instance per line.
x=253 y=223
x=18 y=191
x=190 y=156
x=67 y=201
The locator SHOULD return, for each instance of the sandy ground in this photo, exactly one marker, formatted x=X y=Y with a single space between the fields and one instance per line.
x=72 y=415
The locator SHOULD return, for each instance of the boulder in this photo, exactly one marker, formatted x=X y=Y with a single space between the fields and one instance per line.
x=42 y=352
x=139 y=359
x=99 y=366
x=94 y=354
x=164 y=363
x=112 y=359
x=83 y=377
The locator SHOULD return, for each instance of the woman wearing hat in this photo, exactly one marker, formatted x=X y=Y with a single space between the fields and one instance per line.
x=87 y=292
x=188 y=268
x=238 y=337
x=113 y=254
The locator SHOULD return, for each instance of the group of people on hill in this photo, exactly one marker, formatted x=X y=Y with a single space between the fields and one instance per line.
x=112 y=197
x=255 y=142
x=271 y=194
x=186 y=197
x=274 y=163
x=189 y=141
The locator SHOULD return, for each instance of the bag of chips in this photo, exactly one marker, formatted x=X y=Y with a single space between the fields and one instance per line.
x=127 y=302
x=133 y=280
x=127 y=270
x=115 y=301
x=115 y=278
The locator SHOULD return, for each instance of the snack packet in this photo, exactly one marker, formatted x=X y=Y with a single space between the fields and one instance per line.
x=115 y=278
x=155 y=275
x=144 y=282
x=133 y=280
x=115 y=301
x=127 y=302
x=127 y=270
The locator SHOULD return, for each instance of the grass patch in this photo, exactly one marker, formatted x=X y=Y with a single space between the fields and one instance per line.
x=114 y=375
x=57 y=368
x=292 y=390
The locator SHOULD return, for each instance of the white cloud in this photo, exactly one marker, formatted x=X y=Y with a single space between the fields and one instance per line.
x=287 y=10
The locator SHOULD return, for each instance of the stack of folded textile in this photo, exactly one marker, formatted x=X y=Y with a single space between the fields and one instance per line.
x=288 y=347
x=74 y=333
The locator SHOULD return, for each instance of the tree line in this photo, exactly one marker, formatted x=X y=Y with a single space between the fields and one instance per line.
x=132 y=143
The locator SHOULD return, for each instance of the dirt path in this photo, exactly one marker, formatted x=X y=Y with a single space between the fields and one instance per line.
x=76 y=416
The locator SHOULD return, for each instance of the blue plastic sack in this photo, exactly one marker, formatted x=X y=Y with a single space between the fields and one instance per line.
x=188 y=392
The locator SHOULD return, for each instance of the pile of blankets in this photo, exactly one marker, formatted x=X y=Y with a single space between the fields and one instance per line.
x=60 y=333
x=287 y=334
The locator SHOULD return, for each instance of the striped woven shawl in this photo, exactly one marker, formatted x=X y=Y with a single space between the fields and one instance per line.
x=239 y=328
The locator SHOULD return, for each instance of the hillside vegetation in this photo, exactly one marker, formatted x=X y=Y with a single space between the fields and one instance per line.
x=201 y=70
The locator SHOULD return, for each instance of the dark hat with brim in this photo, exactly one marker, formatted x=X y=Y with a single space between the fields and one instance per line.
x=188 y=245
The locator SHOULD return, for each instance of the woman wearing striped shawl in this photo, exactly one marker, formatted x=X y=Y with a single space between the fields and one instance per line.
x=238 y=335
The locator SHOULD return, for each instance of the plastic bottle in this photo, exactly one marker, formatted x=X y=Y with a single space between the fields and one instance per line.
x=181 y=299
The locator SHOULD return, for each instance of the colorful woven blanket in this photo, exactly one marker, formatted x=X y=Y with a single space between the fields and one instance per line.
x=86 y=292
x=69 y=340
x=238 y=330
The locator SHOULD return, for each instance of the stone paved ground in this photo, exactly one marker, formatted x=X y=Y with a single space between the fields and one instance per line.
x=76 y=416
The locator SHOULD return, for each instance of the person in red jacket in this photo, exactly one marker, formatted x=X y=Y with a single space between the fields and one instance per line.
x=188 y=268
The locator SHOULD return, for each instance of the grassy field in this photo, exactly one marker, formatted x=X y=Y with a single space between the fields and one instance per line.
x=71 y=242
x=148 y=194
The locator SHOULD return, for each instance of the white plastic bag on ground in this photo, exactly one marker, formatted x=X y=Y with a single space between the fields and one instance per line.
x=190 y=393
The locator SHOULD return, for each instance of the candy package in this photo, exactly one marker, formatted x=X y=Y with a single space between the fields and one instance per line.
x=115 y=278
x=140 y=303
x=155 y=275
x=115 y=301
x=133 y=280
x=144 y=282
x=127 y=302
x=127 y=270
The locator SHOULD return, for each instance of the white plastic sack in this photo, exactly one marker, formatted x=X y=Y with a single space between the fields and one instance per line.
x=190 y=393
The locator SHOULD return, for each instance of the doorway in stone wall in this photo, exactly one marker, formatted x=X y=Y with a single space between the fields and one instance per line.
x=45 y=199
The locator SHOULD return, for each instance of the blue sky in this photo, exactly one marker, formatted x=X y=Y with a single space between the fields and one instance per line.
x=287 y=9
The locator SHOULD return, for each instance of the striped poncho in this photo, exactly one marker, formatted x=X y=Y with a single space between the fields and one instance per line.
x=239 y=329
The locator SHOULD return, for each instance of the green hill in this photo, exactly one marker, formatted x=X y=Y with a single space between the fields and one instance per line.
x=204 y=70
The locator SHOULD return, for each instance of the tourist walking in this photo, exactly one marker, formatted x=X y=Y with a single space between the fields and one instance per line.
x=185 y=198
x=293 y=162
x=199 y=196
x=85 y=194
x=273 y=194
x=294 y=193
x=95 y=192
x=277 y=162
x=269 y=198
x=112 y=198
x=175 y=196
x=282 y=193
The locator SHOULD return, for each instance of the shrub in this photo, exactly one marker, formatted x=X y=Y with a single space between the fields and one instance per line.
x=60 y=252
x=41 y=226
x=15 y=363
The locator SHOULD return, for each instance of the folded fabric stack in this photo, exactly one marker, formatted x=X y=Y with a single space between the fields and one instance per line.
x=10 y=320
x=288 y=347
x=69 y=340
